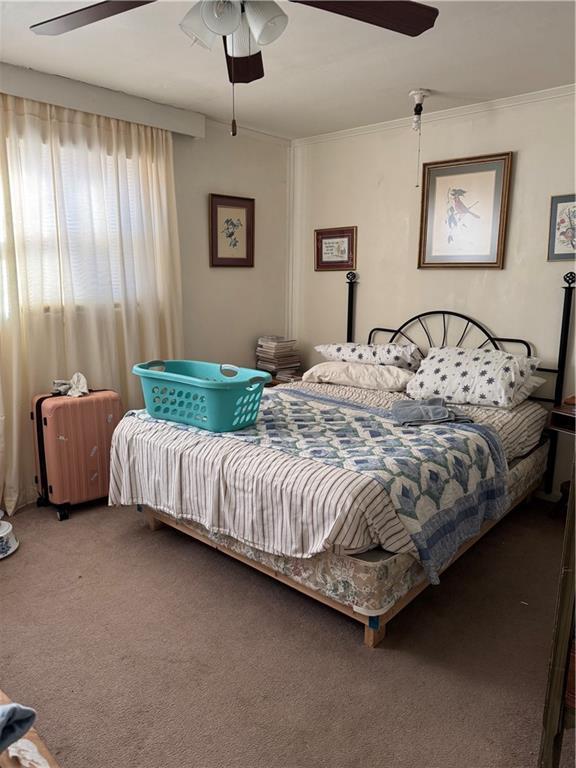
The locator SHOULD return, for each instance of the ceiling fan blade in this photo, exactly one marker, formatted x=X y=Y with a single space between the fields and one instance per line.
x=84 y=16
x=244 y=69
x=404 y=16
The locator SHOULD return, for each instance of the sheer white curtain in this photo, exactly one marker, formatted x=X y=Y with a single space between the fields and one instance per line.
x=89 y=263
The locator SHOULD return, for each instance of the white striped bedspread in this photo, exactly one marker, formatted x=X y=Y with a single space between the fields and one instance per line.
x=301 y=481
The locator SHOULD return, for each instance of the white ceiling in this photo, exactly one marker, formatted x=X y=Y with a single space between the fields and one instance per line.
x=326 y=72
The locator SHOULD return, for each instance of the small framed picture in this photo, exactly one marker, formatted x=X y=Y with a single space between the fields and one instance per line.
x=335 y=249
x=464 y=212
x=231 y=231
x=562 y=238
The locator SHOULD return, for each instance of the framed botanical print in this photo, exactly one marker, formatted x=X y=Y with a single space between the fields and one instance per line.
x=464 y=212
x=562 y=237
x=231 y=231
x=335 y=249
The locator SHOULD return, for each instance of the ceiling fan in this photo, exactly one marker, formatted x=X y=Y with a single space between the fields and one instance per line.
x=245 y=25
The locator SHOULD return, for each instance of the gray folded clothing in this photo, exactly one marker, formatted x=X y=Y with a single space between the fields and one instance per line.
x=15 y=721
x=414 y=413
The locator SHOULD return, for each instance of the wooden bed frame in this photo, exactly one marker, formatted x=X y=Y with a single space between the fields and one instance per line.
x=374 y=626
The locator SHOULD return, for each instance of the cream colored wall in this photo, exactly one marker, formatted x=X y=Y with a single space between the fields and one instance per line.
x=368 y=180
x=227 y=308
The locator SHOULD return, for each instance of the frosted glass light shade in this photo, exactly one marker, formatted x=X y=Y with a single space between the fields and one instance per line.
x=241 y=42
x=221 y=16
x=193 y=25
x=266 y=19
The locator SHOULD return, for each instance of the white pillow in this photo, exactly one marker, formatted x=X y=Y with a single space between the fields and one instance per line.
x=524 y=392
x=475 y=376
x=388 y=378
x=400 y=355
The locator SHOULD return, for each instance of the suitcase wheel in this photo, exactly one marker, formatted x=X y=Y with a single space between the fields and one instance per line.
x=62 y=513
x=42 y=501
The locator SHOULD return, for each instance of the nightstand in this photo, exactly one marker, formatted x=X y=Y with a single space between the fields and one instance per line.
x=563 y=419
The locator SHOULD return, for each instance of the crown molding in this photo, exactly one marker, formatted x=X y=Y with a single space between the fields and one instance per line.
x=560 y=92
x=76 y=94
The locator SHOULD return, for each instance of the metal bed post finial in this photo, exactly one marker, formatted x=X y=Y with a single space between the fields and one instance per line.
x=351 y=279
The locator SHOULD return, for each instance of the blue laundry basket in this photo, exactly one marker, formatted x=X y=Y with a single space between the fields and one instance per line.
x=219 y=398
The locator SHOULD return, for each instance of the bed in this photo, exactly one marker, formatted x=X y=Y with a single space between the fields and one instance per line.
x=328 y=496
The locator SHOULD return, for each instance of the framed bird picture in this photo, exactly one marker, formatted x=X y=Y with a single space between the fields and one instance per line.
x=562 y=238
x=464 y=212
x=231 y=231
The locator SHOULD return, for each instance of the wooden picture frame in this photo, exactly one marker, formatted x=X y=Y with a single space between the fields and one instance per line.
x=562 y=232
x=335 y=249
x=231 y=231
x=464 y=212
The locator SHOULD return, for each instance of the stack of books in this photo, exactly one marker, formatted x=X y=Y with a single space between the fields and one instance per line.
x=278 y=356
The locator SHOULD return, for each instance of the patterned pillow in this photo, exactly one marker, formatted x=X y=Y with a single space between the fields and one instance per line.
x=475 y=376
x=400 y=355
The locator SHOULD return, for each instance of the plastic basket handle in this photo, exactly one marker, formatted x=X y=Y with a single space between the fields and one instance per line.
x=256 y=381
x=225 y=369
x=154 y=364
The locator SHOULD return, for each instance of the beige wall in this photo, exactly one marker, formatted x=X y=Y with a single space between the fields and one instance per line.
x=227 y=308
x=368 y=179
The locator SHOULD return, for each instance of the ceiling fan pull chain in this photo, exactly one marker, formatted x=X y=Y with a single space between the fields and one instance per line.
x=418 y=158
x=233 y=127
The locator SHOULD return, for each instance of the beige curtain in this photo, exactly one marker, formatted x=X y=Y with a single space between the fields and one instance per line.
x=89 y=263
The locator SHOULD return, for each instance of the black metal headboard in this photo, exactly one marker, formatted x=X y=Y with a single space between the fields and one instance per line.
x=454 y=324
x=475 y=334
x=441 y=328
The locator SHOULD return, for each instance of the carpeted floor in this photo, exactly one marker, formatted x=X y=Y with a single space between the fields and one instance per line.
x=149 y=650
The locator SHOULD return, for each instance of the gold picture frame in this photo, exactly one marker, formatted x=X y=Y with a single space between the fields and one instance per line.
x=464 y=212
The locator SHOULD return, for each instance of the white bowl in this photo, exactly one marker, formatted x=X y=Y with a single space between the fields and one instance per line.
x=8 y=542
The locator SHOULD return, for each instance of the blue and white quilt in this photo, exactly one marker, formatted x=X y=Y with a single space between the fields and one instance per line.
x=318 y=472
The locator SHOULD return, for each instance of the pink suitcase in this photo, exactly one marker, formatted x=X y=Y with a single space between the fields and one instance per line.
x=72 y=437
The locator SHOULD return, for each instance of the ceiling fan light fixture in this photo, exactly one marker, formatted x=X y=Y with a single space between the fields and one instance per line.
x=193 y=25
x=221 y=16
x=266 y=19
x=241 y=42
